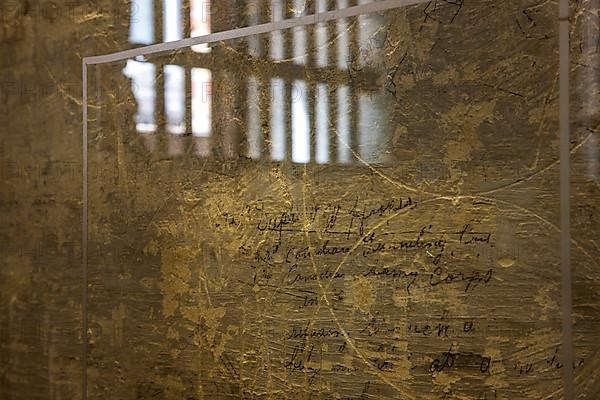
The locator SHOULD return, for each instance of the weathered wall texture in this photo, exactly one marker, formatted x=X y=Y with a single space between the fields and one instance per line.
x=425 y=266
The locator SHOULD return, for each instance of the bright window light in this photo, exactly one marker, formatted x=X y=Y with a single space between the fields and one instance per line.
x=142 y=75
x=343 y=124
x=278 y=142
x=200 y=21
x=201 y=102
x=322 y=123
x=300 y=123
x=175 y=99
x=141 y=23
x=172 y=20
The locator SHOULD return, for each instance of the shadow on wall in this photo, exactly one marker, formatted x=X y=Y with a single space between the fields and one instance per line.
x=323 y=121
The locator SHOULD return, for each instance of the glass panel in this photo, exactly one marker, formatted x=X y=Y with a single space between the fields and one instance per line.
x=585 y=192
x=370 y=211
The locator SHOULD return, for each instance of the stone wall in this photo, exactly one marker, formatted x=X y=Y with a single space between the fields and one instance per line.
x=419 y=260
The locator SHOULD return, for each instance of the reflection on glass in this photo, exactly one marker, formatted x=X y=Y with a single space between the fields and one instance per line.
x=200 y=22
x=277 y=36
x=370 y=105
x=343 y=124
x=254 y=128
x=278 y=110
x=342 y=38
x=296 y=108
x=299 y=34
x=141 y=23
x=175 y=98
x=321 y=37
x=172 y=22
x=201 y=102
x=142 y=76
x=254 y=42
x=300 y=123
x=322 y=123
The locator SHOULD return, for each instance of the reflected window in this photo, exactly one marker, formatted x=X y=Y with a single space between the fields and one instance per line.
x=278 y=113
x=322 y=37
x=343 y=54
x=285 y=115
x=172 y=20
x=142 y=75
x=300 y=123
x=201 y=102
x=141 y=23
x=343 y=124
x=200 y=22
x=255 y=48
x=277 y=42
x=175 y=99
x=322 y=123
x=299 y=38
x=255 y=136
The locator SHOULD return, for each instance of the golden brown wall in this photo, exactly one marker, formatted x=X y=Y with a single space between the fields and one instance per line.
x=424 y=268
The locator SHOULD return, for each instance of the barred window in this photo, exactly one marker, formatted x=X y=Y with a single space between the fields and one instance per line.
x=280 y=113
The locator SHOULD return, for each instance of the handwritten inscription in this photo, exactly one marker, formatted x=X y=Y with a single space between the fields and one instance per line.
x=378 y=290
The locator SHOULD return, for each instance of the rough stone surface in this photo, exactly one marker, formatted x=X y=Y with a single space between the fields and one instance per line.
x=425 y=266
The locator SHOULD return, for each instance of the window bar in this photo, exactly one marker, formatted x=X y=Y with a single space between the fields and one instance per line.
x=186 y=19
x=159 y=79
x=265 y=89
x=240 y=109
x=332 y=109
x=224 y=89
x=229 y=99
x=254 y=18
